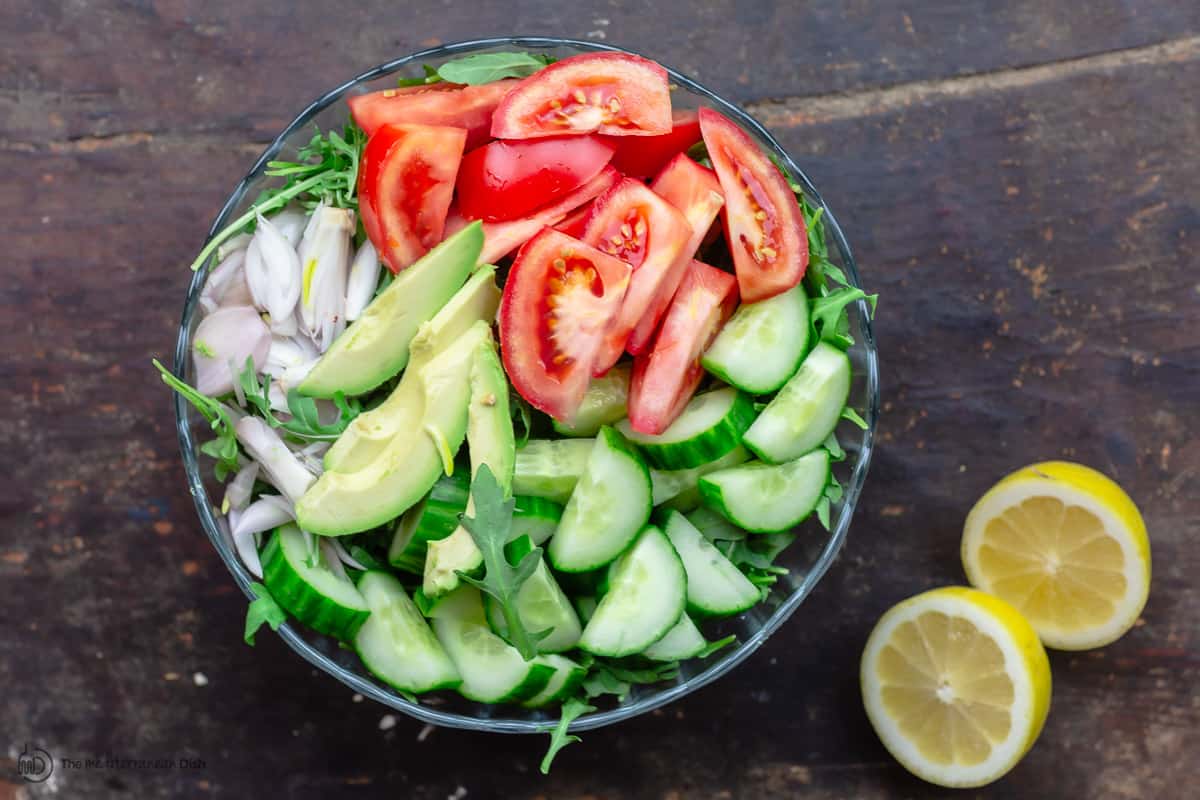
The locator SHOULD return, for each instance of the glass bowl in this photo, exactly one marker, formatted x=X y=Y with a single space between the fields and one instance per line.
x=807 y=559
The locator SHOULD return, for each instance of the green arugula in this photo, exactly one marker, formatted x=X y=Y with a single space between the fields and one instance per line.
x=490 y=529
x=828 y=315
x=262 y=611
x=852 y=415
x=755 y=557
x=833 y=492
x=326 y=172
x=488 y=67
x=431 y=76
x=522 y=417
x=559 y=738
x=219 y=416
x=305 y=422
x=719 y=644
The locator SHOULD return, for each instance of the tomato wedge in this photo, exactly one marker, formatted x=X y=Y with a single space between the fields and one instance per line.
x=558 y=301
x=639 y=227
x=405 y=184
x=665 y=378
x=611 y=93
x=575 y=223
x=505 y=180
x=763 y=223
x=693 y=190
x=501 y=238
x=449 y=104
x=645 y=156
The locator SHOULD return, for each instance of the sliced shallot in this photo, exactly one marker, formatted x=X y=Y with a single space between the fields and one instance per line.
x=364 y=277
x=281 y=467
x=228 y=335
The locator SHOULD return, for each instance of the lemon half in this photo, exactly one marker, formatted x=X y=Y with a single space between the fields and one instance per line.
x=1067 y=547
x=956 y=685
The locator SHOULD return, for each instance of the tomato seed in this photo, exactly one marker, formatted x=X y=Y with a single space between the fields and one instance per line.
x=614 y=105
x=769 y=252
x=560 y=264
x=579 y=96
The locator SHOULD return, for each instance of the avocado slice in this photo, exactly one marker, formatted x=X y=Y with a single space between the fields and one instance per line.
x=370 y=432
x=376 y=346
x=491 y=441
x=406 y=468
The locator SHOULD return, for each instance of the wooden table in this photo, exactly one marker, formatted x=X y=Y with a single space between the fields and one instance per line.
x=1021 y=184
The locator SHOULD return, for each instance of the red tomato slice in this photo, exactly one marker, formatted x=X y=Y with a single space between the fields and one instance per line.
x=575 y=223
x=405 y=184
x=501 y=238
x=558 y=301
x=639 y=227
x=613 y=93
x=693 y=190
x=449 y=104
x=645 y=156
x=665 y=378
x=763 y=222
x=505 y=180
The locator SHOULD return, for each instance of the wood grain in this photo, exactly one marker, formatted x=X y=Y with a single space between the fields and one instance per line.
x=1026 y=205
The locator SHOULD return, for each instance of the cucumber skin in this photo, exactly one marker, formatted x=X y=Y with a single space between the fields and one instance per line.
x=573 y=681
x=447 y=500
x=714 y=497
x=695 y=607
x=705 y=447
x=535 y=513
x=539 y=675
x=278 y=576
x=662 y=654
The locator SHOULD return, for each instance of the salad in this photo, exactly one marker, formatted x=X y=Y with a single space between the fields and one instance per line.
x=521 y=379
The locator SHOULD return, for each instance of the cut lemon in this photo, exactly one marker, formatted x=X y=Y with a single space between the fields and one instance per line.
x=956 y=684
x=1067 y=547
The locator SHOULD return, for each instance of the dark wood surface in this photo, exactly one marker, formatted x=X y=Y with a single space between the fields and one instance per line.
x=1020 y=182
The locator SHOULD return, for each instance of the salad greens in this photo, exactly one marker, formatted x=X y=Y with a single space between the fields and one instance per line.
x=572 y=710
x=224 y=448
x=481 y=68
x=305 y=422
x=263 y=611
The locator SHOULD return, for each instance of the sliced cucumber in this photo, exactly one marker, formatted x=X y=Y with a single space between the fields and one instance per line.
x=396 y=644
x=609 y=506
x=682 y=641
x=713 y=526
x=673 y=483
x=543 y=607
x=433 y=518
x=768 y=498
x=550 y=468
x=586 y=606
x=305 y=586
x=646 y=597
x=762 y=344
x=710 y=426
x=492 y=670
x=715 y=587
x=603 y=404
x=566 y=679
x=805 y=411
x=535 y=517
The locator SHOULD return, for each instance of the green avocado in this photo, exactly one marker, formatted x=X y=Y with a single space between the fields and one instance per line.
x=370 y=432
x=376 y=346
x=431 y=428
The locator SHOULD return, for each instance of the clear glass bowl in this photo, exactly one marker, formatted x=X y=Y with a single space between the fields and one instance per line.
x=807 y=559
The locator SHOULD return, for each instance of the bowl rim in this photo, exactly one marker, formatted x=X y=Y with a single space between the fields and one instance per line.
x=388 y=697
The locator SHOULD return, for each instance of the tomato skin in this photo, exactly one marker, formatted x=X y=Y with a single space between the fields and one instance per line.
x=575 y=223
x=611 y=93
x=449 y=104
x=501 y=238
x=645 y=156
x=558 y=301
x=693 y=190
x=763 y=222
x=665 y=378
x=639 y=227
x=506 y=180
x=405 y=184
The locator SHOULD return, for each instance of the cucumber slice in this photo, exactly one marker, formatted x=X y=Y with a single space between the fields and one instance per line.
x=715 y=587
x=492 y=670
x=806 y=410
x=542 y=606
x=550 y=468
x=586 y=606
x=768 y=498
x=710 y=426
x=322 y=599
x=645 y=599
x=396 y=644
x=682 y=641
x=535 y=517
x=433 y=518
x=609 y=506
x=566 y=679
x=762 y=344
x=713 y=526
x=674 y=483
x=603 y=404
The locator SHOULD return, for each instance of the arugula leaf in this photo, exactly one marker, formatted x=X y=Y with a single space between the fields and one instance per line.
x=489 y=67
x=828 y=314
x=262 y=611
x=601 y=682
x=306 y=421
x=431 y=76
x=759 y=551
x=852 y=415
x=833 y=492
x=490 y=529
x=522 y=417
x=836 y=453
x=559 y=738
x=224 y=448
x=719 y=644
